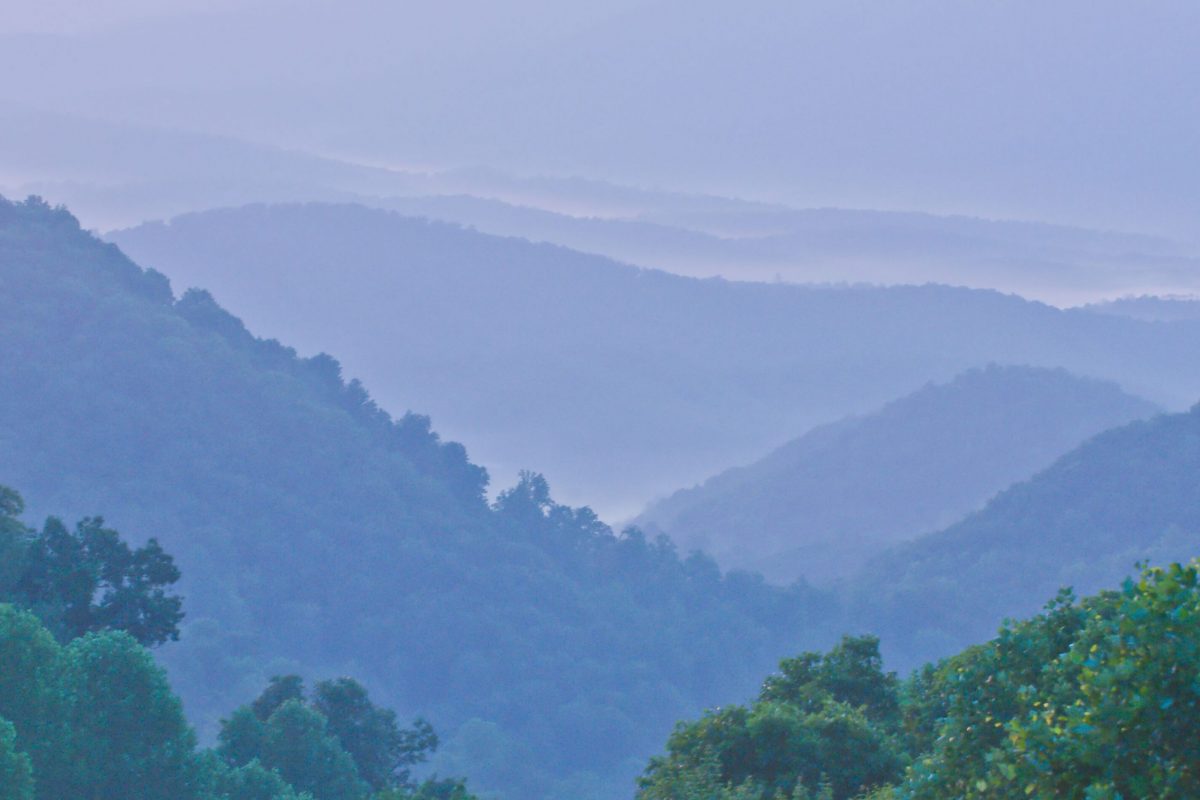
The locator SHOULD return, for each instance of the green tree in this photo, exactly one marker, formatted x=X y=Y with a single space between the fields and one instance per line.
x=957 y=712
x=825 y=720
x=299 y=746
x=280 y=689
x=429 y=789
x=382 y=751
x=90 y=580
x=251 y=781
x=241 y=738
x=127 y=726
x=851 y=673
x=1129 y=727
x=16 y=773
x=13 y=536
x=34 y=698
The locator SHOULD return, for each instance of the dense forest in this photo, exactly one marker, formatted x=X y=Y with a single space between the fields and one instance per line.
x=820 y=506
x=318 y=536
x=1091 y=699
x=619 y=384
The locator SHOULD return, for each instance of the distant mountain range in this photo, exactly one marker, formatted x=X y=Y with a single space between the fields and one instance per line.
x=822 y=505
x=1010 y=111
x=1152 y=309
x=116 y=174
x=1054 y=263
x=621 y=384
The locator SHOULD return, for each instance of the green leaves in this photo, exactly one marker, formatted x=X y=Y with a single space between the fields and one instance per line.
x=127 y=726
x=1091 y=700
x=94 y=718
x=87 y=579
x=16 y=773
x=1109 y=694
x=825 y=724
x=340 y=746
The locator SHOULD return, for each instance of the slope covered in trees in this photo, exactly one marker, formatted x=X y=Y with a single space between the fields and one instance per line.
x=821 y=505
x=317 y=535
x=619 y=384
x=1127 y=495
x=1090 y=699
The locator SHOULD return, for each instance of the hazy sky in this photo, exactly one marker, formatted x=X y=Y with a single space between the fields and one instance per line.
x=1078 y=111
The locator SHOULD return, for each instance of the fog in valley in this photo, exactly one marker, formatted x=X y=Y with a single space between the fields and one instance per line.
x=474 y=393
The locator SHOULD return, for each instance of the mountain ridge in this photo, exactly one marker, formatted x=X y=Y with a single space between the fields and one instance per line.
x=819 y=505
x=619 y=384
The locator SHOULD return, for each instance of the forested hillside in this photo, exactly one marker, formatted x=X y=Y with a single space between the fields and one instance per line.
x=821 y=505
x=619 y=384
x=1130 y=494
x=317 y=535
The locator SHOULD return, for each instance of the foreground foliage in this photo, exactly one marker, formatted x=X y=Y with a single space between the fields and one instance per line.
x=1091 y=700
x=96 y=718
x=87 y=579
x=85 y=712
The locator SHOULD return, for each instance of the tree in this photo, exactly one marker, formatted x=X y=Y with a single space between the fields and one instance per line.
x=280 y=689
x=16 y=773
x=12 y=544
x=127 y=727
x=851 y=673
x=298 y=745
x=1126 y=724
x=241 y=738
x=251 y=781
x=382 y=751
x=33 y=697
x=824 y=723
x=90 y=580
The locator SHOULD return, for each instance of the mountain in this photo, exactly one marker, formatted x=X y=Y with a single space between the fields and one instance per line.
x=924 y=104
x=1151 y=308
x=821 y=505
x=1127 y=495
x=115 y=174
x=620 y=384
x=318 y=535
x=1053 y=263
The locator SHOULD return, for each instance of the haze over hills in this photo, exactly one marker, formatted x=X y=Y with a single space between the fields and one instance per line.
x=615 y=249
x=1056 y=264
x=117 y=174
x=820 y=506
x=621 y=384
x=318 y=535
x=1152 y=309
x=1018 y=110
x=1127 y=495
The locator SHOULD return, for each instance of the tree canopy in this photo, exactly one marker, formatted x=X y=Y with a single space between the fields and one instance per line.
x=87 y=579
x=1090 y=699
